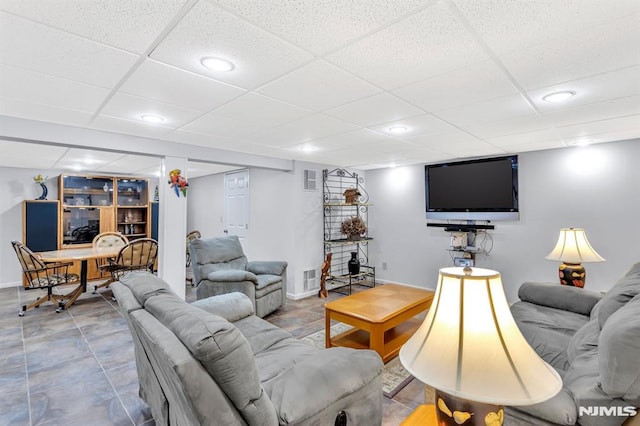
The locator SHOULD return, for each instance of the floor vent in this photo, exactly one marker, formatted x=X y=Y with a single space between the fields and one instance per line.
x=310 y=280
x=311 y=180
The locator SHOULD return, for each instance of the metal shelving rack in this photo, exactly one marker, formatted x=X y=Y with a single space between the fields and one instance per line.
x=336 y=210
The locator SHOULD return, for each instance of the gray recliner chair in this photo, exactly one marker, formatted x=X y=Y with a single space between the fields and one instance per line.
x=220 y=267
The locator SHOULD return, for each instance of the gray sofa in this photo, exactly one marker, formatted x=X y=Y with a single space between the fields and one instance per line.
x=220 y=266
x=213 y=362
x=593 y=341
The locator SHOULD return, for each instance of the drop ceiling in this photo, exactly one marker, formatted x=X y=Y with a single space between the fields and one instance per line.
x=323 y=81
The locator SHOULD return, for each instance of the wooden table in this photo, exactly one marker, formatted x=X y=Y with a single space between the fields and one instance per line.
x=83 y=255
x=383 y=318
x=423 y=415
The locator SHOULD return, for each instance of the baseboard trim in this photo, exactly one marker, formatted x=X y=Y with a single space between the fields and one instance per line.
x=303 y=295
x=7 y=285
x=379 y=280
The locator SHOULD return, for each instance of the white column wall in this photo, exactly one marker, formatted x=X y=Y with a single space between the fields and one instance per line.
x=172 y=227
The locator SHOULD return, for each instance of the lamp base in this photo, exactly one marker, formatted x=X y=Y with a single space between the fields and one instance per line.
x=454 y=411
x=572 y=274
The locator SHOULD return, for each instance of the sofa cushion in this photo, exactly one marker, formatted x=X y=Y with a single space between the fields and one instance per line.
x=548 y=330
x=624 y=290
x=619 y=350
x=222 y=350
x=552 y=295
x=232 y=275
x=231 y=306
x=144 y=285
x=585 y=340
x=216 y=250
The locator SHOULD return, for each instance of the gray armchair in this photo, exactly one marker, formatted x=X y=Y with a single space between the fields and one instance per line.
x=220 y=266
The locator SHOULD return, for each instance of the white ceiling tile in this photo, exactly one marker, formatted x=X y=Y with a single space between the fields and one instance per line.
x=438 y=141
x=534 y=146
x=132 y=25
x=497 y=109
x=47 y=113
x=212 y=124
x=43 y=49
x=318 y=86
x=131 y=164
x=44 y=89
x=382 y=108
x=599 y=49
x=494 y=129
x=86 y=159
x=197 y=169
x=13 y=155
x=459 y=87
x=306 y=129
x=207 y=30
x=418 y=125
x=128 y=127
x=472 y=149
x=339 y=21
x=262 y=110
x=131 y=107
x=629 y=105
x=525 y=138
x=509 y=26
x=165 y=83
x=597 y=88
x=608 y=136
x=359 y=137
x=422 y=45
x=601 y=127
x=195 y=138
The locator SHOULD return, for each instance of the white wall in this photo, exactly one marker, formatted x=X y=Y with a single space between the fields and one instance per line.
x=17 y=185
x=595 y=187
x=285 y=221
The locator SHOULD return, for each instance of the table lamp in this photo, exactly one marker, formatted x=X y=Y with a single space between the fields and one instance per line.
x=572 y=249
x=471 y=351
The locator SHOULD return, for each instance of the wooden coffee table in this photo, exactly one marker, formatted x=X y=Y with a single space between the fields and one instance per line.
x=383 y=318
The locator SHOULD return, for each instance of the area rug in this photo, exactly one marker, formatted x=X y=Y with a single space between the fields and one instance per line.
x=394 y=376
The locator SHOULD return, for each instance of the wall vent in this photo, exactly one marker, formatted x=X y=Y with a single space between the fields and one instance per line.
x=311 y=180
x=310 y=280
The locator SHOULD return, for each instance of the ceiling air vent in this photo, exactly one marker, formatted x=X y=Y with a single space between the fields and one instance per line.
x=311 y=180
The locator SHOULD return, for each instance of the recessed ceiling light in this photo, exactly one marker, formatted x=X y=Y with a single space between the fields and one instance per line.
x=152 y=118
x=397 y=129
x=559 y=96
x=307 y=148
x=217 y=64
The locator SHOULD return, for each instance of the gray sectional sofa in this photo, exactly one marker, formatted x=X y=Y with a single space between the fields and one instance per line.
x=593 y=341
x=214 y=362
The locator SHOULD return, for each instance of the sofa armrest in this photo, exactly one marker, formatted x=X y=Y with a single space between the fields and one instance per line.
x=335 y=374
x=558 y=296
x=272 y=267
x=231 y=306
x=232 y=275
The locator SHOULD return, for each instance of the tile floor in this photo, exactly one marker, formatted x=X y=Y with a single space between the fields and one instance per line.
x=77 y=367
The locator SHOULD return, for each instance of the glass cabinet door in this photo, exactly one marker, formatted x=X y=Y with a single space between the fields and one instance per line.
x=87 y=191
x=132 y=192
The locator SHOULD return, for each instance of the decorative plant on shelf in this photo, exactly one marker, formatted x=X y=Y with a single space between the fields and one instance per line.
x=353 y=227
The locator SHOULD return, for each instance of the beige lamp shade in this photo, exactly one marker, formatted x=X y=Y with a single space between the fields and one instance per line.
x=573 y=247
x=469 y=345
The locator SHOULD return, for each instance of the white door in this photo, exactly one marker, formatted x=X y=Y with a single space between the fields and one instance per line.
x=236 y=208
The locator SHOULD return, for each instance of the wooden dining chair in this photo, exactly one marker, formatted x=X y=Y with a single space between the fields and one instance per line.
x=107 y=239
x=43 y=276
x=137 y=255
x=193 y=235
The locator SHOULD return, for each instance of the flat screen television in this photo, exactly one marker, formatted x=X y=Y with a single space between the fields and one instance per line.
x=485 y=189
